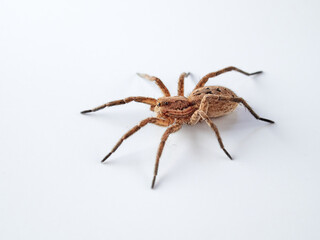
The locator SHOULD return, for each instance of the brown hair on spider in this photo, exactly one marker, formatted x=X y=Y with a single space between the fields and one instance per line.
x=203 y=104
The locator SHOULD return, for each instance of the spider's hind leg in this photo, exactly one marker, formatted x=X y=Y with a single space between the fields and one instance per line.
x=241 y=100
x=204 y=80
x=245 y=104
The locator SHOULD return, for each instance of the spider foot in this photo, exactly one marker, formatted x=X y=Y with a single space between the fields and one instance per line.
x=255 y=73
x=153 y=181
x=229 y=156
x=86 y=111
x=106 y=157
x=266 y=120
x=142 y=75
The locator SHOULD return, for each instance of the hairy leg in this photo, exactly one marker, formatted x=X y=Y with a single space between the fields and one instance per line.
x=201 y=114
x=174 y=128
x=156 y=121
x=240 y=100
x=163 y=88
x=146 y=100
x=204 y=105
x=204 y=80
x=205 y=117
x=181 y=83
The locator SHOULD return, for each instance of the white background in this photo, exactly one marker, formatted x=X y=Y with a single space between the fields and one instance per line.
x=60 y=57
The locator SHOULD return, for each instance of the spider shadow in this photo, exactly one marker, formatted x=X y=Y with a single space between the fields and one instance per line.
x=132 y=163
x=242 y=143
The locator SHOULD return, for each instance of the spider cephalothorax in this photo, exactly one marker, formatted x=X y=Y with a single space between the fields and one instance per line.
x=174 y=107
x=204 y=103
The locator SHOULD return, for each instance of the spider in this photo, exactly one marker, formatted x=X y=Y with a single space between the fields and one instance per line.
x=203 y=103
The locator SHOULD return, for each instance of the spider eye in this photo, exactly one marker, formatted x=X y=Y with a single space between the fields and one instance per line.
x=165 y=103
x=158 y=104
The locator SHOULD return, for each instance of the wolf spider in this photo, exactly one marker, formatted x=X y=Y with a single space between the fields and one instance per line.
x=203 y=103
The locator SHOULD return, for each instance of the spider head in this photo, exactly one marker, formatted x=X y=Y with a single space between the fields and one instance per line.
x=176 y=107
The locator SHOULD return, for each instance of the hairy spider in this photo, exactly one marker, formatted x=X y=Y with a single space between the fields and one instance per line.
x=203 y=103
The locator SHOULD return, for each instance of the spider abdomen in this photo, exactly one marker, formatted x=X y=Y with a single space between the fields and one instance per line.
x=216 y=107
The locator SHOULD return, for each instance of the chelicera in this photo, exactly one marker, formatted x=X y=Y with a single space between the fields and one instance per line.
x=204 y=103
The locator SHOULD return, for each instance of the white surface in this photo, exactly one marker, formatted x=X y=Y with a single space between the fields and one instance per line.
x=60 y=57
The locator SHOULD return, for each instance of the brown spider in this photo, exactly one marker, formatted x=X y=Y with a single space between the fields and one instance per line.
x=172 y=112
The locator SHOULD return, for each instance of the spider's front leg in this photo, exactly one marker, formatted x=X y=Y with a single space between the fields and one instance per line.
x=181 y=83
x=202 y=114
x=156 y=121
x=146 y=100
x=160 y=84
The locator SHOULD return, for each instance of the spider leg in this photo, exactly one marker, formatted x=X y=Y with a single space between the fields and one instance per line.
x=174 y=128
x=181 y=83
x=146 y=100
x=204 y=80
x=160 y=84
x=240 y=100
x=156 y=121
x=205 y=117
x=201 y=113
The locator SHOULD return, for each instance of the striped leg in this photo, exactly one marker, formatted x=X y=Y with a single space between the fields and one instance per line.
x=160 y=84
x=181 y=83
x=174 y=128
x=156 y=121
x=146 y=100
x=201 y=114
